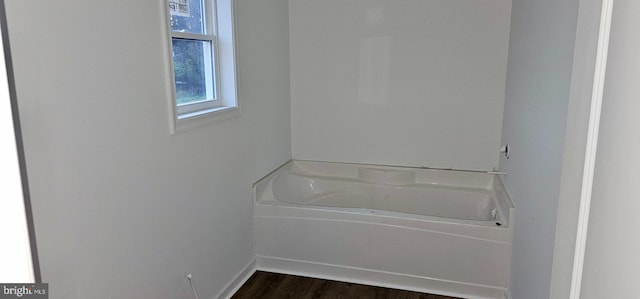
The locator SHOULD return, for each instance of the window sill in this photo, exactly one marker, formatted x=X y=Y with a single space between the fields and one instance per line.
x=205 y=112
x=195 y=119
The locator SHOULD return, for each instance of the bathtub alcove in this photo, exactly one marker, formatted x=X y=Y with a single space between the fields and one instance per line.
x=418 y=84
x=437 y=231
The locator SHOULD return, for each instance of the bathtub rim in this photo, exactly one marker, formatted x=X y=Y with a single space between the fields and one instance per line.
x=506 y=209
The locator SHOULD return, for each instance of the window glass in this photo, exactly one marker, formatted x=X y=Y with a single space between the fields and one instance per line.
x=187 y=16
x=193 y=70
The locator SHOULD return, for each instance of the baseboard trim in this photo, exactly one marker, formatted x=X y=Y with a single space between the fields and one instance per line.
x=242 y=277
x=378 y=278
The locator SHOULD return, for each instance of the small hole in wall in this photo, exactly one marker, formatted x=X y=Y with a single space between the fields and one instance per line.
x=498 y=224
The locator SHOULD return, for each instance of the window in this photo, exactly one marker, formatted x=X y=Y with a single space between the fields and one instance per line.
x=201 y=57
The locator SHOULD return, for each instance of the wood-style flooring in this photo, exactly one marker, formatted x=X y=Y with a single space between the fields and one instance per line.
x=267 y=285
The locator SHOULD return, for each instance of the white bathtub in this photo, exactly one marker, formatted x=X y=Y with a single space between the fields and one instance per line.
x=437 y=231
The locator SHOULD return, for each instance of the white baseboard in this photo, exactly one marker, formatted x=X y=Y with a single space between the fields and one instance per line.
x=233 y=286
x=379 y=278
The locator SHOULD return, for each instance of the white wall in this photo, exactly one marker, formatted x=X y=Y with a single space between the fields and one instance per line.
x=412 y=82
x=538 y=86
x=15 y=253
x=612 y=259
x=123 y=209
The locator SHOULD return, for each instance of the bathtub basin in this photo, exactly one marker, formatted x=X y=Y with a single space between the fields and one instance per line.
x=436 y=231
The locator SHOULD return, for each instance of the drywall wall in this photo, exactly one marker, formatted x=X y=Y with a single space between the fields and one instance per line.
x=541 y=50
x=575 y=144
x=612 y=262
x=122 y=208
x=411 y=82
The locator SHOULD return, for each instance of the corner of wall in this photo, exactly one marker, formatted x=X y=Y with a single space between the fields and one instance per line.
x=587 y=27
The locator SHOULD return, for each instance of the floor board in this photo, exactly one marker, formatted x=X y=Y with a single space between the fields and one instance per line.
x=267 y=285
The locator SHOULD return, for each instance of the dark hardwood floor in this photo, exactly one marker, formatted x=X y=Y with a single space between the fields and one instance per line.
x=266 y=285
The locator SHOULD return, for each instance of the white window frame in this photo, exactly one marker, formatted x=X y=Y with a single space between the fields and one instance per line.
x=218 y=18
x=209 y=16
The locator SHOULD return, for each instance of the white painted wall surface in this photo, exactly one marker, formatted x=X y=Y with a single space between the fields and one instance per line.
x=15 y=252
x=123 y=209
x=612 y=257
x=411 y=82
x=541 y=51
